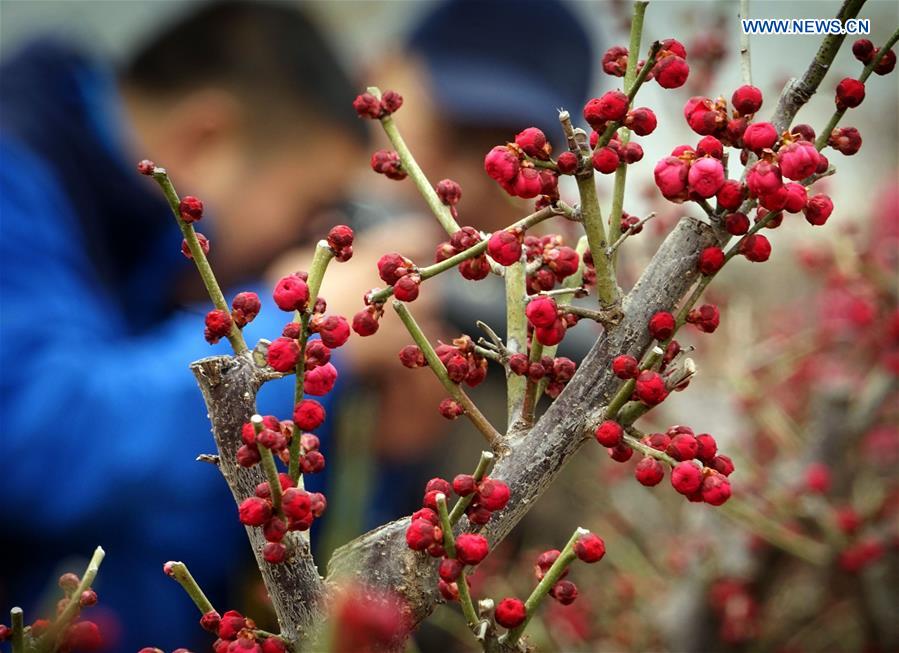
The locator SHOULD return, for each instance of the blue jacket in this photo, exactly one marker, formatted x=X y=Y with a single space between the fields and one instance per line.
x=101 y=418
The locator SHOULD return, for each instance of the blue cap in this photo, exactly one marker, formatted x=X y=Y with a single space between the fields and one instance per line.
x=505 y=63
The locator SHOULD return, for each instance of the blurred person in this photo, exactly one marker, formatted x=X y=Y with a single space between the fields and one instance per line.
x=247 y=106
x=471 y=82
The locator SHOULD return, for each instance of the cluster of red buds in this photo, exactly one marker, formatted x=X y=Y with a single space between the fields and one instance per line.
x=524 y=168
x=291 y=508
x=585 y=546
x=669 y=71
x=236 y=634
x=698 y=471
x=557 y=371
x=64 y=634
x=367 y=105
x=481 y=499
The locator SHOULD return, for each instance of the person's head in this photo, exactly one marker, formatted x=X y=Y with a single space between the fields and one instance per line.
x=246 y=104
x=476 y=73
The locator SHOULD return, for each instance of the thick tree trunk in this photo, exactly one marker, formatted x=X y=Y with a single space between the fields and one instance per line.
x=229 y=387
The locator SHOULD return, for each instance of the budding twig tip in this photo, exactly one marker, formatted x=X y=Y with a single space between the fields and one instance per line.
x=581 y=531
x=658 y=350
x=256 y=419
x=487 y=455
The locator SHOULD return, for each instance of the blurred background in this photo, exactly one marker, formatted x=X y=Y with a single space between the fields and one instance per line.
x=798 y=384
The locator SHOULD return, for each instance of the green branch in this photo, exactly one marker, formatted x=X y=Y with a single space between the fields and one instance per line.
x=235 y=337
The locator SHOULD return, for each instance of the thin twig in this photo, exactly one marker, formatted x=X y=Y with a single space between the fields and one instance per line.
x=630 y=231
x=745 y=54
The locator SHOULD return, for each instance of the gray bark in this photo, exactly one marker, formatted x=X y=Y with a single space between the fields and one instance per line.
x=229 y=386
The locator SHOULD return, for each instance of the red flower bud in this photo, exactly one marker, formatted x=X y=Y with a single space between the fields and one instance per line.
x=450 y=569
x=747 y=100
x=365 y=322
x=567 y=163
x=707 y=448
x=308 y=415
x=846 y=140
x=283 y=354
x=611 y=106
x=501 y=164
x=649 y=471
x=850 y=93
x=706 y=317
x=552 y=335
x=715 y=489
x=510 y=613
x=532 y=142
x=755 y=248
x=706 y=176
x=737 y=224
x=493 y=494
x=606 y=160
x=671 y=72
x=565 y=592
x=391 y=101
x=642 y=121
x=614 y=61
x=798 y=160
x=81 y=636
x=320 y=380
x=682 y=446
x=407 y=287
x=818 y=209
x=723 y=464
x=367 y=106
x=528 y=184
x=518 y=364
x=450 y=409
x=686 y=477
x=711 y=259
x=340 y=237
x=662 y=325
x=232 y=622
x=387 y=163
x=464 y=484
x=504 y=246
x=609 y=433
x=731 y=195
x=759 y=136
x=796 y=197
x=245 y=307
x=273 y=645
x=291 y=293
x=412 y=357
x=625 y=367
x=671 y=178
x=764 y=178
x=296 y=503
x=650 y=388
x=190 y=209
x=590 y=548
x=254 y=511
x=863 y=50
x=145 y=167
x=542 y=311
x=393 y=266
x=449 y=192
x=218 y=325
x=710 y=146
x=886 y=64
x=471 y=548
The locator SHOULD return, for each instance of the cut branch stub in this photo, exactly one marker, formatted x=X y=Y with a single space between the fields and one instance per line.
x=229 y=386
